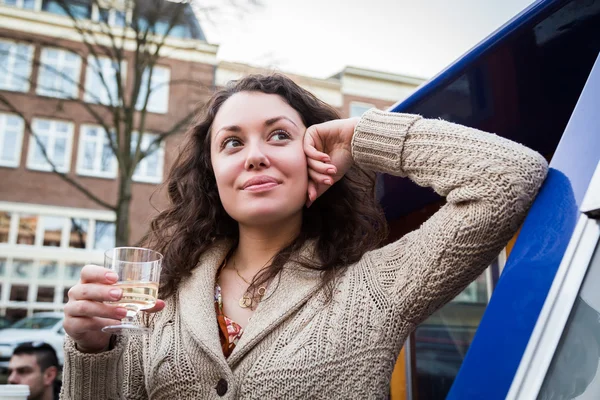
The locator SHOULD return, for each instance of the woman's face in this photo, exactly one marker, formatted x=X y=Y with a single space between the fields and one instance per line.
x=258 y=158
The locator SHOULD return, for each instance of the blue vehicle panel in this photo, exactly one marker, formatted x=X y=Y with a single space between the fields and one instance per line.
x=524 y=82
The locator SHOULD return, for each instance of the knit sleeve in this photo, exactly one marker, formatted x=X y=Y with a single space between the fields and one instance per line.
x=110 y=375
x=489 y=183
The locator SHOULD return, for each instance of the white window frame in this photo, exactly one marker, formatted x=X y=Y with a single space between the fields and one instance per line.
x=45 y=166
x=153 y=102
x=64 y=256
x=8 y=75
x=37 y=6
x=112 y=17
x=139 y=173
x=19 y=146
x=46 y=89
x=100 y=140
x=367 y=106
x=11 y=248
x=100 y=95
x=549 y=328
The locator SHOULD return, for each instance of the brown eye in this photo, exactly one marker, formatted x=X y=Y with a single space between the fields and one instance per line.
x=231 y=143
x=280 y=135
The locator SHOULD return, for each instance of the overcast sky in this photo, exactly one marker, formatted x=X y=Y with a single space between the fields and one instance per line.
x=320 y=37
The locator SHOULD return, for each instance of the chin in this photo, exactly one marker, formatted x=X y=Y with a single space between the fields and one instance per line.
x=266 y=215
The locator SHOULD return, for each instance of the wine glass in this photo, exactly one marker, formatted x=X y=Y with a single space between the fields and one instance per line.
x=138 y=270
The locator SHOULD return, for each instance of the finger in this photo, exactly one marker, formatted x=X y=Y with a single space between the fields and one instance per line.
x=312 y=193
x=312 y=152
x=79 y=325
x=159 y=306
x=321 y=167
x=319 y=178
x=95 y=291
x=97 y=274
x=91 y=309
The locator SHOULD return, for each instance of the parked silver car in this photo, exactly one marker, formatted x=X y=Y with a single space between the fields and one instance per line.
x=41 y=327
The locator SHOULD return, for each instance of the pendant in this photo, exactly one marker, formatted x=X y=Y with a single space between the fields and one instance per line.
x=245 y=301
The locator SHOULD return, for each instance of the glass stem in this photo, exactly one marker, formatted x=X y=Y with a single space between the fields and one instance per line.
x=129 y=317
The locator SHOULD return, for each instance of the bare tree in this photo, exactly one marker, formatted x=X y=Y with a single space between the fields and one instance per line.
x=126 y=38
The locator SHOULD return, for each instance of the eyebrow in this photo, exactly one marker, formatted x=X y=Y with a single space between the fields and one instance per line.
x=269 y=122
x=20 y=370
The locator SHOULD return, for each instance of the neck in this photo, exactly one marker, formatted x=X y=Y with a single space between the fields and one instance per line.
x=48 y=394
x=259 y=244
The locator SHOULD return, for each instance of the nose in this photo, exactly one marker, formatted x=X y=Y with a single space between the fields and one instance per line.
x=256 y=157
x=13 y=378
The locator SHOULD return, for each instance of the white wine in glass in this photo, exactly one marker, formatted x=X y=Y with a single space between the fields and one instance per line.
x=138 y=270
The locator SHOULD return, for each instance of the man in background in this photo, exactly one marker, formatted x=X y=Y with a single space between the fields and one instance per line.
x=35 y=365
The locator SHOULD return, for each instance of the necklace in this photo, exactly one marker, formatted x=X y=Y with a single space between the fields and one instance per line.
x=247 y=301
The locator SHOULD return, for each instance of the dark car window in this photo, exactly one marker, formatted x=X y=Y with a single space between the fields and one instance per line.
x=36 y=323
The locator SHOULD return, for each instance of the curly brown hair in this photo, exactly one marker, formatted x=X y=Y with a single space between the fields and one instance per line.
x=345 y=222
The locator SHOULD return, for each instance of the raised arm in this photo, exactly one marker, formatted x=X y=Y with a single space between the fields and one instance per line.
x=489 y=183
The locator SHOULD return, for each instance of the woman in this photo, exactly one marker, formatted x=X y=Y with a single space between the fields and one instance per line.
x=273 y=284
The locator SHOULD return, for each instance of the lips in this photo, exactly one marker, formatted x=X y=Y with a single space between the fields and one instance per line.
x=260 y=182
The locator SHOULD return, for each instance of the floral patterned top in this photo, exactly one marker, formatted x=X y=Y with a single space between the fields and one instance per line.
x=229 y=332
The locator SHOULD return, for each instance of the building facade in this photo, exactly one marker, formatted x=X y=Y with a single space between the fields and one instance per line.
x=49 y=229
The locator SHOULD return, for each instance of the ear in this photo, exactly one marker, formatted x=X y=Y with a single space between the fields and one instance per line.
x=50 y=375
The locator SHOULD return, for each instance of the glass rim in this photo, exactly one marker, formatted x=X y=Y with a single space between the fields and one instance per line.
x=108 y=254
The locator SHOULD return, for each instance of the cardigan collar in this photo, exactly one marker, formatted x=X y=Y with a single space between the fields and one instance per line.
x=288 y=291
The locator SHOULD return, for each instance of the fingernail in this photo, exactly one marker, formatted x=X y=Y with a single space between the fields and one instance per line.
x=115 y=293
x=121 y=312
x=111 y=276
x=331 y=171
x=328 y=182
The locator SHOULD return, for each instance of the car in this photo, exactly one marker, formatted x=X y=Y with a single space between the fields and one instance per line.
x=4 y=323
x=44 y=327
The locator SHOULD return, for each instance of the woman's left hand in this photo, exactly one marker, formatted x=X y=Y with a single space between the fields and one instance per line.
x=329 y=155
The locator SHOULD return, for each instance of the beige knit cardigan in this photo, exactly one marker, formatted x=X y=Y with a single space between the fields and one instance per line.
x=297 y=346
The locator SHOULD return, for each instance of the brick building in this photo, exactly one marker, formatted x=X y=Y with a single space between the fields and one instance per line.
x=48 y=228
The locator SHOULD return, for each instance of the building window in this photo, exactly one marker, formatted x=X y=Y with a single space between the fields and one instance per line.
x=150 y=168
x=52 y=228
x=18 y=292
x=54 y=138
x=59 y=74
x=5 y=219
x=26 y=4
x=11 y=139
x=72 y=272
x=74 y=8
x=95 y=157
x=22 y=269
x=27 y=229
x=101 y=74
x=47 y=270
x=104 y=237
x=79 y=233
x=112 y=17
x=15 y=62
x=357 y=109
x=45 y=294
x=158 y=100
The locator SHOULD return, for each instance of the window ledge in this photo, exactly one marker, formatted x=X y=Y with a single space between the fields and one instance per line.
x=4 y=164
x=39 y=168
x=94 y=174
x=149 y=180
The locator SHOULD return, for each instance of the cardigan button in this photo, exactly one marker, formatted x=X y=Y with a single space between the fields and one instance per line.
x=221 y=387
